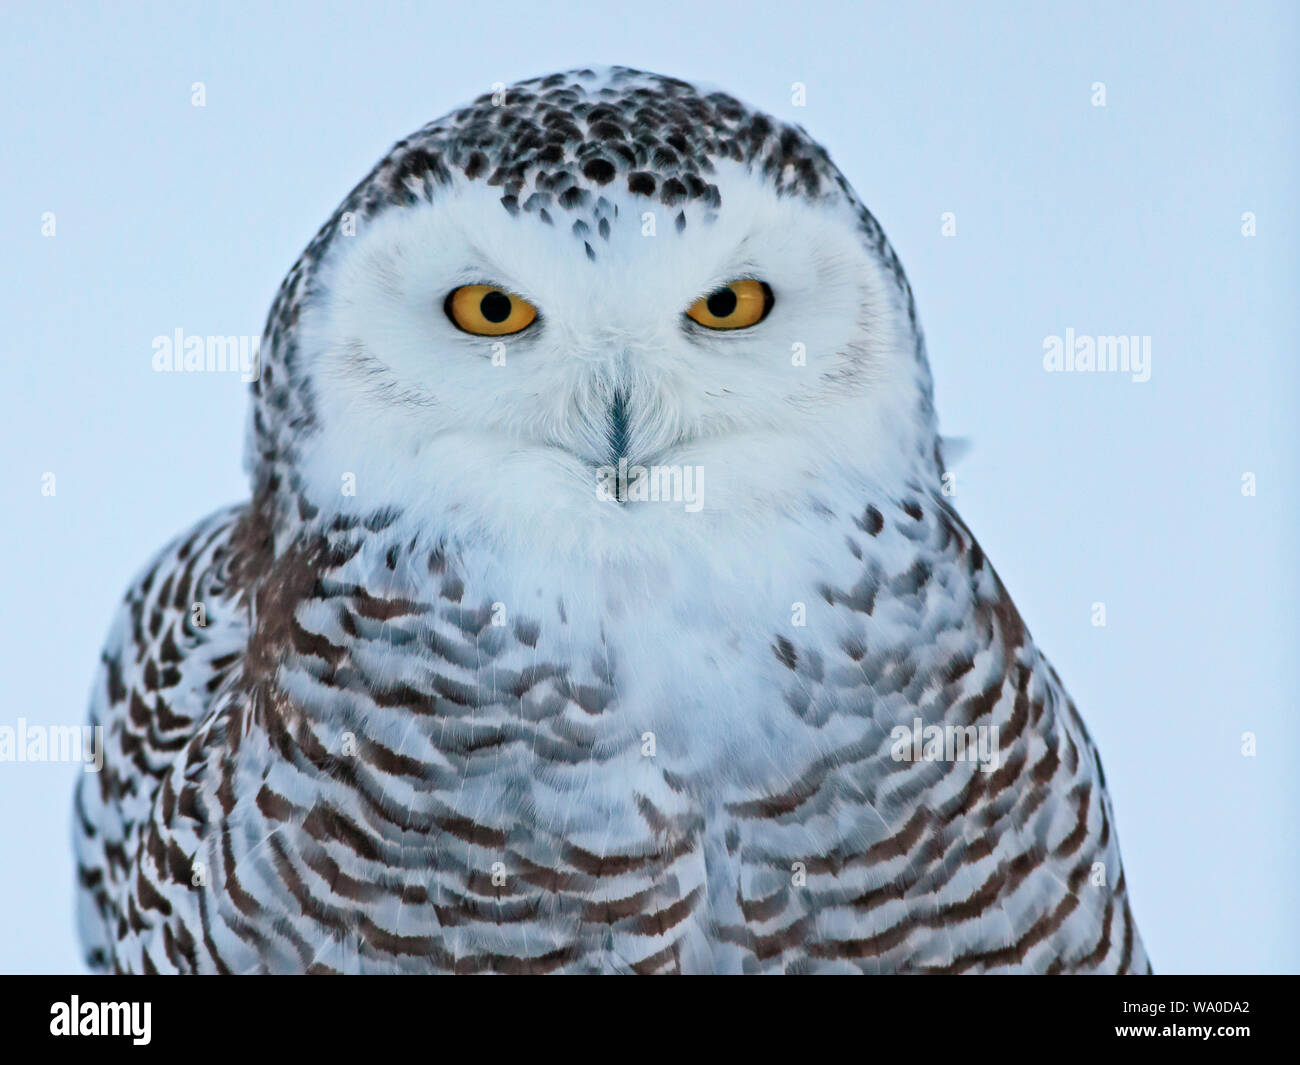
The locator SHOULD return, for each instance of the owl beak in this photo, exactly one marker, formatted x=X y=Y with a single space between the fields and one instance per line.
x=617 y=432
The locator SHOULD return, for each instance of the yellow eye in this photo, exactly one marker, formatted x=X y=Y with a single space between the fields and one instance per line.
x=487 y=311
x=736 y=306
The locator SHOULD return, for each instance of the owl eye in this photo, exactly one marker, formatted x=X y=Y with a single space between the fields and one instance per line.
x=487 y=311
x=735 y=306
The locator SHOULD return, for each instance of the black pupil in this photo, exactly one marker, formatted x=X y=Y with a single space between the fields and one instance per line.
x=495 y=307
x=722 y=303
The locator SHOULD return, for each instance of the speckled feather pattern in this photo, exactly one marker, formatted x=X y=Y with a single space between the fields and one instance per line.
x=350 y=767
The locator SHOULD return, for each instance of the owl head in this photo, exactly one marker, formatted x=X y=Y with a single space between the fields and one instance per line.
x=578 y=278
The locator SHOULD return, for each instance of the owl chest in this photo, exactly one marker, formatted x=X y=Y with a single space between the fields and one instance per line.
x=547 y=757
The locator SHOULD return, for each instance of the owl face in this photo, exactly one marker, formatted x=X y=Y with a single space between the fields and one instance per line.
x=493 y=365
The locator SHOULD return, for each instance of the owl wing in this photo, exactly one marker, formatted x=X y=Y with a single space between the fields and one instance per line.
x=176 y=640
x=929 y=862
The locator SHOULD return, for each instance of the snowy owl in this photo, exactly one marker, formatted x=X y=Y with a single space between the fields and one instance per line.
x=598 y=606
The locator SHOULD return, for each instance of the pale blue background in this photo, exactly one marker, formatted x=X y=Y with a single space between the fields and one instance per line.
x=1123 y=219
